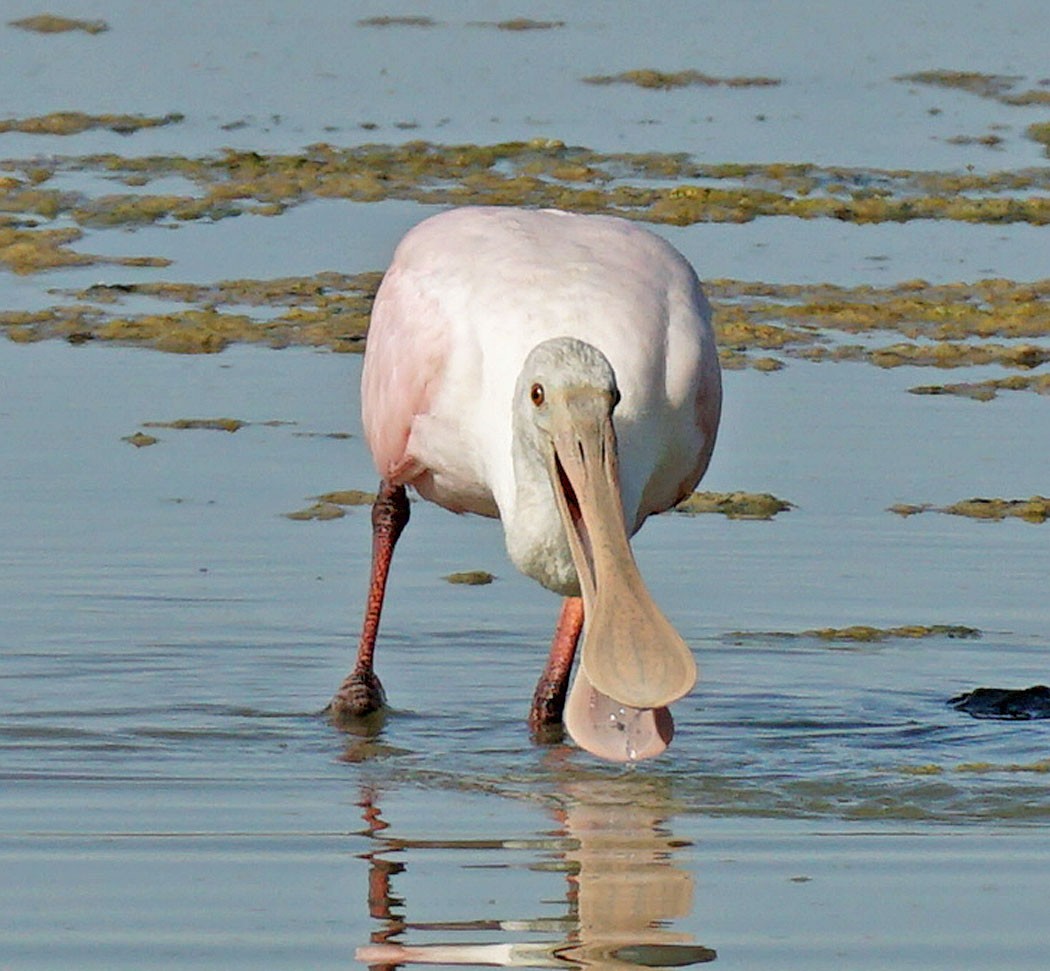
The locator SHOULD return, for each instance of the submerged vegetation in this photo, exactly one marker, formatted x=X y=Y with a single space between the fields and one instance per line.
x=470 y=578
x=862 y=633
x=44 y=225
x=734 y=505
x=1000 y=87
x=47 y=23
x=1033 y=510
x=75 y=122
x=664 y=188
x=665 y=80
x=758 y=325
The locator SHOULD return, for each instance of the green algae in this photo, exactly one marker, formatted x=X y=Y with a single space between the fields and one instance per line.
x=348 y=497
x=325 y=310
x=760 y=326
x=405 y=21
x=666 y=80
x=138 y=210
x=548 y=173
x=322 y=511
x=1041 y=766
x=1040 y=132
x=470 y=578
x=949 y=354
x=985 y=85
x=863 y=633
x=47 y=23
x=988 y=389
x=733 y=505
x=140 y=440
x=188 y=332
x=332 y=505
x=998 y=87
x=209 y=424
x=519 y=24
x=1035 y=509
x=29 y=250
x=948 y=325
x=977 y=768
x=75 y=122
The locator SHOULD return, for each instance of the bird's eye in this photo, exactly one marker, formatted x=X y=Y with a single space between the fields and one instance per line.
x=536 y=394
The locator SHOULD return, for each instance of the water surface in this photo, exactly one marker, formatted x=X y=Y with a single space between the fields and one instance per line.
x=170 y=795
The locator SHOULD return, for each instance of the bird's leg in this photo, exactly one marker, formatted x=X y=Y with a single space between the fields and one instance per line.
x=549 y=698
x=361 y=693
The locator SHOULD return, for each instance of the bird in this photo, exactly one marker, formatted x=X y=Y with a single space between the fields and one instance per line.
x=557 y=371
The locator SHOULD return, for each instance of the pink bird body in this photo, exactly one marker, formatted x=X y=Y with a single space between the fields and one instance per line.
x=472 y=300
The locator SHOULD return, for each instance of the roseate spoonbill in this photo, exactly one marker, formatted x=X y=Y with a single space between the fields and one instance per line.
x=557 y=371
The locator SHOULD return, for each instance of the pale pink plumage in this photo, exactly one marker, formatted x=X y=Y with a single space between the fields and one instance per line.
x=471 y=291
x=608 y=326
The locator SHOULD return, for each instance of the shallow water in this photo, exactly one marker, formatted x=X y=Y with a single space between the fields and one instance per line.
x=170 y=795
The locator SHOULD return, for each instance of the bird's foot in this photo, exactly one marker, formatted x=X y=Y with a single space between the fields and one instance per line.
x=545 y=722
x=545 y=711
x=359 y=696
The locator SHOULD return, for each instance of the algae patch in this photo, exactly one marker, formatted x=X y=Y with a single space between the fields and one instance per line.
x=470 y=578
x=212 y=424
x=998 y=87
x=326 y=310
x=1033 y=510
x=546 y=172
x=666 y=80
x=348 y=497
x=75 y=122
x=140 y=440
x=758 y=325
x=319 y=510
x=864 y=634
x=1040 y=132
x=402 y=21
x=988 y=389
x=734 y=505
x=986 y=85
x=947 y=325
x=332 y=505
x=46 y=23
x=519 y=24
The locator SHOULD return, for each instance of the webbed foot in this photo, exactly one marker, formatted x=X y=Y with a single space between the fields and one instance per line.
x=359 y=696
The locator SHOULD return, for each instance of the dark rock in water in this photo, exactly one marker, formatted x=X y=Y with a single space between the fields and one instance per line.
x=1006 y=703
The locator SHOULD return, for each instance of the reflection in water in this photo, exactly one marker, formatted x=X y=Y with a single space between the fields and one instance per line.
x=622 y=888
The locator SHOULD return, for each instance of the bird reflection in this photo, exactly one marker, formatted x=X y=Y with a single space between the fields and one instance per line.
x=622 y=888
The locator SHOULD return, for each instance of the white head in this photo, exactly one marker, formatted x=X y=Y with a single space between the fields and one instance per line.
x=633 y=663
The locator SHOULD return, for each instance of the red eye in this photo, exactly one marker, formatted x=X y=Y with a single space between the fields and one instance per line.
x=536 y=394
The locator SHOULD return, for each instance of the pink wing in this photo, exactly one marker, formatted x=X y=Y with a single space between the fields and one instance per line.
x=404 y=362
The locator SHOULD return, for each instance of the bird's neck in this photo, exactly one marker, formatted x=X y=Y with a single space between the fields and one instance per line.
x=532 y=528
